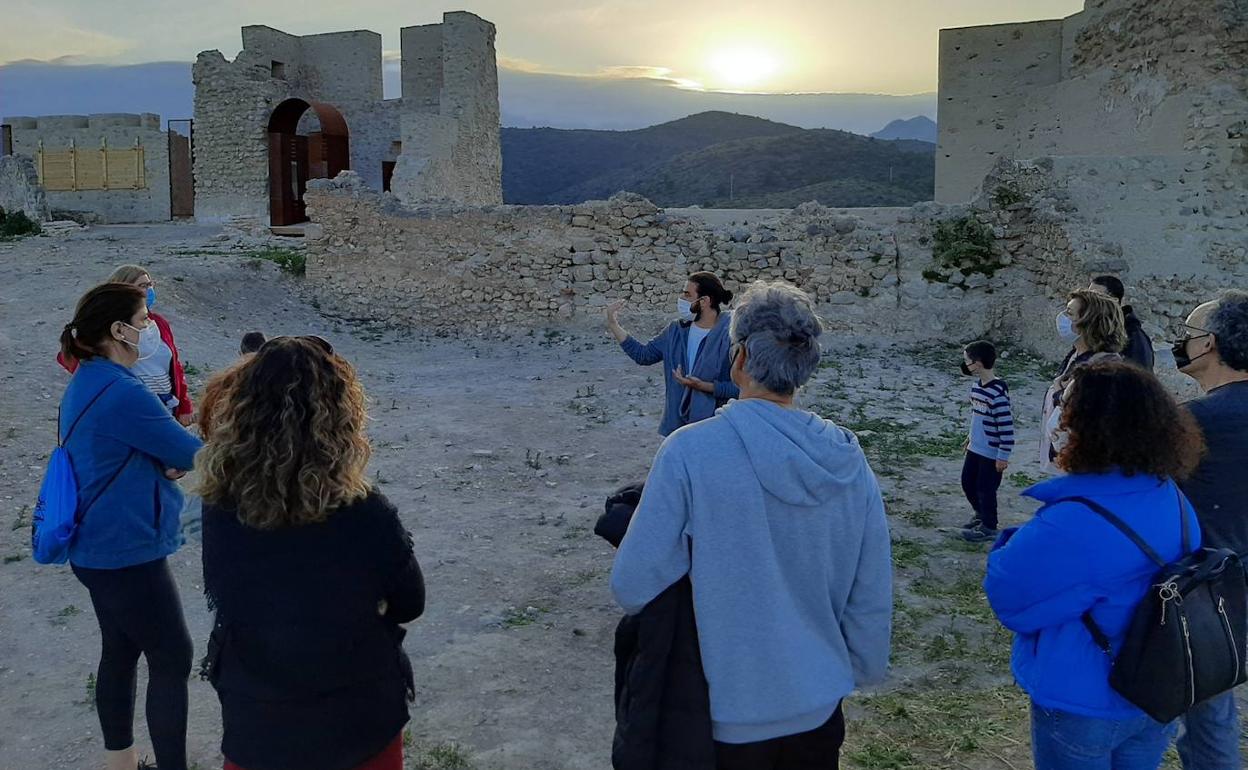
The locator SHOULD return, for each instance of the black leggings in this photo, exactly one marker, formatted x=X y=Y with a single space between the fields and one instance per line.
x=140 y=613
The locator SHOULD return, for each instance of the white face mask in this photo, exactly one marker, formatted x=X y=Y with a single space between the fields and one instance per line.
x=149 y=341
x=684 y=309
x=1066 y=327
x=138 y=346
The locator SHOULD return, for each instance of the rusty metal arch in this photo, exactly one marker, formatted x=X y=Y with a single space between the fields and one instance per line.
x=294 y=159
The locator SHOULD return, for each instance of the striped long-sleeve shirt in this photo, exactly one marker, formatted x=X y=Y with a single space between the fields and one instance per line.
x=992 y=423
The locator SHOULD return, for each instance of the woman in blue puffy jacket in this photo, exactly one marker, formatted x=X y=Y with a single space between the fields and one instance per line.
x=1128 y=441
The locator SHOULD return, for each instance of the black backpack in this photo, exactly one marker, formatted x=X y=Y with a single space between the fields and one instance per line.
x=1186 y=640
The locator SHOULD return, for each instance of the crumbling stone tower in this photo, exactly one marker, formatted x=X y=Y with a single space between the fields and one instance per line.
x=292 y=108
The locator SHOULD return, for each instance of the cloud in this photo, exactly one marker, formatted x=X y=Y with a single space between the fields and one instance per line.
x=34 y=31
x=619 y=98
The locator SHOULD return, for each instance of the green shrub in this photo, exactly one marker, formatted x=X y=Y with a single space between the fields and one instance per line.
x=1005 y=196
x=289 y=260
x=960 y=241
x=17 y=225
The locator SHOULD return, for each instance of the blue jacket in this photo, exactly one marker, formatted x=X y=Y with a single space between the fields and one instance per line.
x=684 y=406
x=130 y=438
x=1067 y=559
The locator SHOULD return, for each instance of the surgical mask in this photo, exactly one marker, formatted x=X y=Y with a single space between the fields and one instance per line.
x=149 y=342
x=151 y=296
x=684 y=309
x=1066 y=327
x=1181 y=359
x=134 y=345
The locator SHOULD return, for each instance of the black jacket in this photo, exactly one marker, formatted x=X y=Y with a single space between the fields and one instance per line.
x=662 y=703
x=309 y=674
x=1139 y=347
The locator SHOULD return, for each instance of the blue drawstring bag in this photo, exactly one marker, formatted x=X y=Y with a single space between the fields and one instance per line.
x=56 y=517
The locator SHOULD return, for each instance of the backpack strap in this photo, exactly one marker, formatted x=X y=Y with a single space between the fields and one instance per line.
x=63 y=441
x=1122 y=527
x=1098 y=634
x=82 y=510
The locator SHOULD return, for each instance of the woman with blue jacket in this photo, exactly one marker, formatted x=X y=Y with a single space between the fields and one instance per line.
x=126 y=449
x=1127 y=442
x=693 y=349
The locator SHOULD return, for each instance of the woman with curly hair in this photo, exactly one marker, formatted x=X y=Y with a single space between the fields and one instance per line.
x=1128 y=443
x=309 y=569
x=1093 y=323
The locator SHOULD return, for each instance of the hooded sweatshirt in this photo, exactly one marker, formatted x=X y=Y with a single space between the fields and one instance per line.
x=792 y=579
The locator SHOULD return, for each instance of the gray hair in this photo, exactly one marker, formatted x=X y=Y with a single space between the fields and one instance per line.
x=1229 y=324
x=777 y=324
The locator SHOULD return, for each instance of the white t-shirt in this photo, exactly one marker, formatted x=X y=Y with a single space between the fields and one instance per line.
x=155 y=359
x=696 y=335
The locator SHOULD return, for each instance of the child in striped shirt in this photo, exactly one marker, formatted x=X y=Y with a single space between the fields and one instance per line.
x=990 y=441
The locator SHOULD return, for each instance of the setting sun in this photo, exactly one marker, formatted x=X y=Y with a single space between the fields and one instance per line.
x=742 y=67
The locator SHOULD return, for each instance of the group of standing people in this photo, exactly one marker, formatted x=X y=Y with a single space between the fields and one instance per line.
x=768 y=516
x=308 y=569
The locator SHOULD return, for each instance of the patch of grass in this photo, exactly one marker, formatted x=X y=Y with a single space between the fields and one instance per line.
x=69 y=612
x=441 y=756
x=1023 y=480
x=290 y=260
x=90 y=696
x=961 y=596
x=964 y=245
x=13 y=558
x=891 y=445
x=190 y=370
x=928 y=725
x=1017 y=365
x=22 y=520
x=907 y=553
x=514 y=617
x=922 y=517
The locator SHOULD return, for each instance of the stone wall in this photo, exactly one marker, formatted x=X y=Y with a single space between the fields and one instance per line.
x=20 y=189
x=1122 y=78
x=86 y=132
x=513 y=268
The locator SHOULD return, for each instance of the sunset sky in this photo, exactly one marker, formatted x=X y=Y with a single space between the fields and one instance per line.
x=875 y=46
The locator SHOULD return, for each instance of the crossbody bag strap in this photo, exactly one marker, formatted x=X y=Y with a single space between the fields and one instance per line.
x=82 y=510
x=63 y=441
x=1183 y=527
x=1098 y=634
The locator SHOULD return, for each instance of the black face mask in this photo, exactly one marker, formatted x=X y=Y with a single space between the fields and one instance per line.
x=966 y=369
x=1181 y=359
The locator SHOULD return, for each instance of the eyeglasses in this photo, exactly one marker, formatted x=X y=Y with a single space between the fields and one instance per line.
x=320 y=342
x=1188 y=337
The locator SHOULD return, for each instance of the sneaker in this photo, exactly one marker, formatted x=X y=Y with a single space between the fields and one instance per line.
x=972 y=524
x=979 y=534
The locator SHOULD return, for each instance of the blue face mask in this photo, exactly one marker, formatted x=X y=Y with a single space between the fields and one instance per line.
x=151 y=296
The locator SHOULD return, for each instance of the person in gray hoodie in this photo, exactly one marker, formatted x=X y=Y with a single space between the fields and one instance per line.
x=776 y=517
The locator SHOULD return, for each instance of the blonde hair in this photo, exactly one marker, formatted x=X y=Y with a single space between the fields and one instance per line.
x=285 y=443
x=128 y=274
x=1100 y=323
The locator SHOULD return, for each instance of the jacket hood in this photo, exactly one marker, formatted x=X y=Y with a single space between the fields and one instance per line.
x=1091 y=485
x=798 y=457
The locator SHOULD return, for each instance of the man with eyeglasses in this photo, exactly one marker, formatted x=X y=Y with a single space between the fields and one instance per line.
x=1214 y=352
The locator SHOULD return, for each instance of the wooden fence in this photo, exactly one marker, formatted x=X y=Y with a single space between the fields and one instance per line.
x=98 y=169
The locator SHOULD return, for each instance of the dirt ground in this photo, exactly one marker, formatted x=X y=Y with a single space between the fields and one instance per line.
x=498 y=455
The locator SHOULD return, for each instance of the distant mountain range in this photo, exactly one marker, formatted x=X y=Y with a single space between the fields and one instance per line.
x=921 y=128
x=529 y=99
x=716 y=159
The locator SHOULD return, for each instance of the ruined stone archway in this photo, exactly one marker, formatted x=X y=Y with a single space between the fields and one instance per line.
x=293 y=159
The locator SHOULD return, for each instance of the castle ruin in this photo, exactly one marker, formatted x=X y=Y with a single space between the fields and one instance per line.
x=293 y=108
